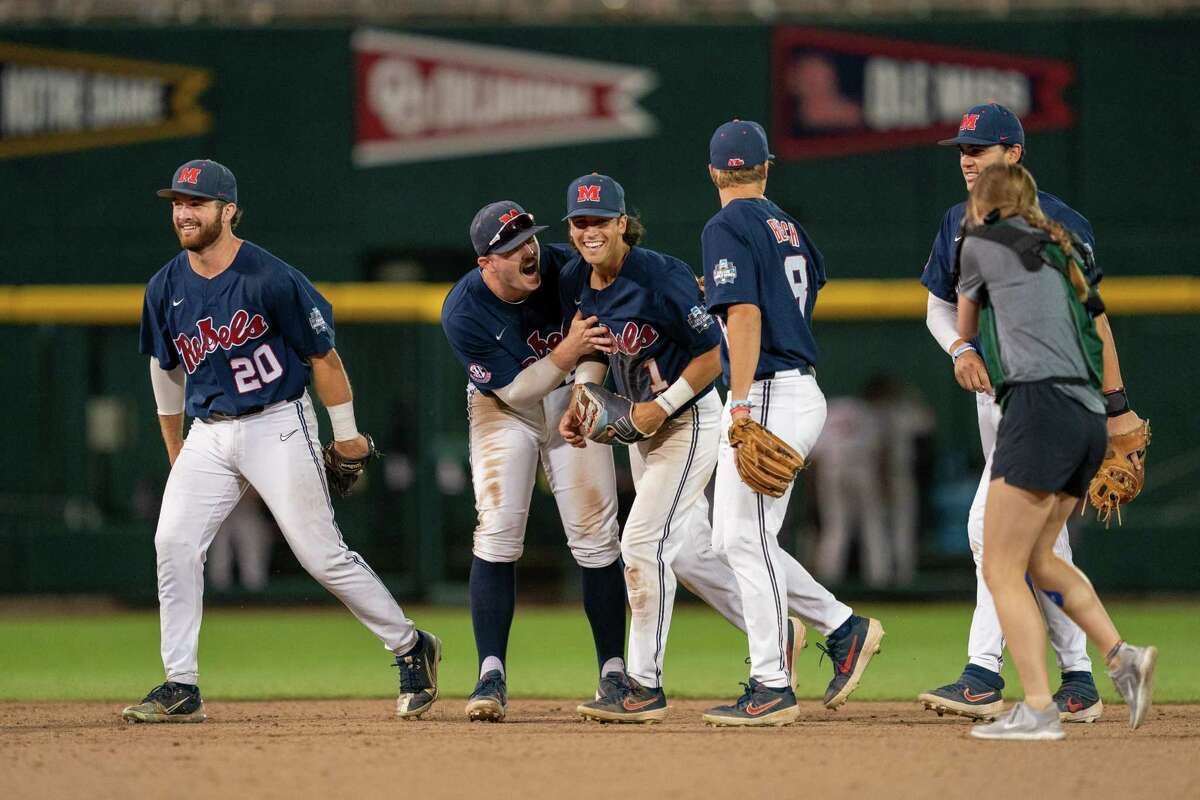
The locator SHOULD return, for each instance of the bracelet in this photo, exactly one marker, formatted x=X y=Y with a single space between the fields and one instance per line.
x=740 y=405
x=1116 y=402
x=341 y=417
x=962 y=349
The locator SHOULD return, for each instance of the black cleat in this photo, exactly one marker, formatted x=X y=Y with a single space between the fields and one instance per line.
x=489 y=701
x=418 y=676
x=168 y=702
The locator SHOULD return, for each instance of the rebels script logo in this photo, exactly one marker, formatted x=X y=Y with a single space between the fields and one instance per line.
x=241 y=329
x=541 y=346
x=634 y=338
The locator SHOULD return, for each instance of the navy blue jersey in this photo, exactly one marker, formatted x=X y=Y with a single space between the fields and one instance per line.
x=754 y=252
x=656 y=315
x=940 y=276
x=244 y=337
x=494 y=339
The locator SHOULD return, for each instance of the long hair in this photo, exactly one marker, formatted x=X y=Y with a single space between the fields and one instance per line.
x=1008 y=190
x=634 y=229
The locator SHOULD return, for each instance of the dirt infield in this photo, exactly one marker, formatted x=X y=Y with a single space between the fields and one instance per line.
x=300 y=749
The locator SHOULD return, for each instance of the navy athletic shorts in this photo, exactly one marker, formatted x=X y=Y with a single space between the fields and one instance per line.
x=1047 y=441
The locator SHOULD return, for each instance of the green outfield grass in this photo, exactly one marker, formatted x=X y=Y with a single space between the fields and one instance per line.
x=325 y=653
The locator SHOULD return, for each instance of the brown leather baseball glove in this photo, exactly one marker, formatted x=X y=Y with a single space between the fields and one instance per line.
x=342 y=473
x=767 y=464
x=1120 y=477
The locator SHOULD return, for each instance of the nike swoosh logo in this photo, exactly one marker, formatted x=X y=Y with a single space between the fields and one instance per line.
x=754 y=710
x=958 y=238
x=501 y=333
x=844 y=667
x=171 y=710
x=176 y=302
x=1073 y=705
x=637 y=706
x=971 y=697
x=283 y=437
x=578 y=301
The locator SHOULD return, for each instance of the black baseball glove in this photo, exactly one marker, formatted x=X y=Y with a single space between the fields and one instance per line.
x=341 y=472
x=603 y=416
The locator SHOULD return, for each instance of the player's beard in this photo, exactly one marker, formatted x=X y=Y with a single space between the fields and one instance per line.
x=202 y=238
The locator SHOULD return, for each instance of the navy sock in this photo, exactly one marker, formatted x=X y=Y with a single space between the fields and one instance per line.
x=604 y=604
x=985 y=676
x=844 y=628
x=493 y=590
x=1078 y=677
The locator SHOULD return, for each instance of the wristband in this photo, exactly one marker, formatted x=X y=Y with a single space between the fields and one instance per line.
x=673 y=398
x=740 y=405
x=342 y=418
x=1116 y=402
x=962 y=349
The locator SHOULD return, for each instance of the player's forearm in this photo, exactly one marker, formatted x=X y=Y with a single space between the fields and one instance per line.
x=743 y=330
x=532 y=383
x=330 y=380
x=968 y=318
x=1112 y=364
x=703 y=369
x=171 y=426
x=941 y=318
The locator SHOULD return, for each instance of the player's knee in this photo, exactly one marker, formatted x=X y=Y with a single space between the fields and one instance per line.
x=174 y=548
x=636 y=588
x=594 y=555
x=498 y=546
x=1043 y=566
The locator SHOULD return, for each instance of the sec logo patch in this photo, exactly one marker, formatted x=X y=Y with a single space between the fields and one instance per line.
x=479 y=374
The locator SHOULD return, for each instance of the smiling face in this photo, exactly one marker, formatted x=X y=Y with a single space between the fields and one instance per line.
x=975 y=158
x=514 y=275
x=599 y=240
x=199 y=222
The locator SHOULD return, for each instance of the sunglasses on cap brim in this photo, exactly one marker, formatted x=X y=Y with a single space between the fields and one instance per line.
x=509 y=231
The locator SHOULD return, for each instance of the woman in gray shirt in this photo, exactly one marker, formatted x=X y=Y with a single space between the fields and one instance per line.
x=1022 y=291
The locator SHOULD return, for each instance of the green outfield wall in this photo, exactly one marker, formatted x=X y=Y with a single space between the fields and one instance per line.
x=282 y=109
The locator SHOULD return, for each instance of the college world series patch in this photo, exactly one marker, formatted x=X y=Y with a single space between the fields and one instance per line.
x=724 y=272
x=316 y=321
x=699 y=319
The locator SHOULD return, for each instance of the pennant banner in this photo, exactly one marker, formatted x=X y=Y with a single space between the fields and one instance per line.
x=841 y=93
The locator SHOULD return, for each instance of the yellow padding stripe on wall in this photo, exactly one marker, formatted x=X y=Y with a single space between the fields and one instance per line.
x=107 y=304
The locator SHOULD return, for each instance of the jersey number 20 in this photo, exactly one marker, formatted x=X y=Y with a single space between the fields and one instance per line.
x=797 y=277
x=249 y=374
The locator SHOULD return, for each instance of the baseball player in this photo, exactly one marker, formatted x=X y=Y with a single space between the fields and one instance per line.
x=666 y=360
x=1022 y=291
x=238 y=334
x=991 y=134
x=505 y=323
x=761 y=275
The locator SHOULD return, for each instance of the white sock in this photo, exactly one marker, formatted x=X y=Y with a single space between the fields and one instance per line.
x=614 y=664
x=490 y=663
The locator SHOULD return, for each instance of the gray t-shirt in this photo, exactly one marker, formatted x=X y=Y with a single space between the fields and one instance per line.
x=1036 y=333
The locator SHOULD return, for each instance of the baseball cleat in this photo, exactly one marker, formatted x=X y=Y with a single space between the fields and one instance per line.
x=1077 y=699
x=758 y=705
x=1133 y=676
x=623 y=699
x=850 y=654
x=1023 y=724
x=168 y=702
x=418 y=676
x=489 y=701
x=969 y=696
x=796 y=643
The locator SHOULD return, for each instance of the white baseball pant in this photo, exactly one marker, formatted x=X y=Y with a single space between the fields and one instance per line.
x=506 y=444
x=277 y=451
x=746 y=528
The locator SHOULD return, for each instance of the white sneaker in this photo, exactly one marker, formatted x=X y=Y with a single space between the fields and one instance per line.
x=1024 y=724
x=1134 y=678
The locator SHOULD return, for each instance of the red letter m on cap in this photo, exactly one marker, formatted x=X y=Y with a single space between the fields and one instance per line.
x=188 y=175
x=968 y=122
x=511 y=215
x=588 y=194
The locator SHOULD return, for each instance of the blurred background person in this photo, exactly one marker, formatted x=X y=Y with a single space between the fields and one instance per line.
x=246 y=538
